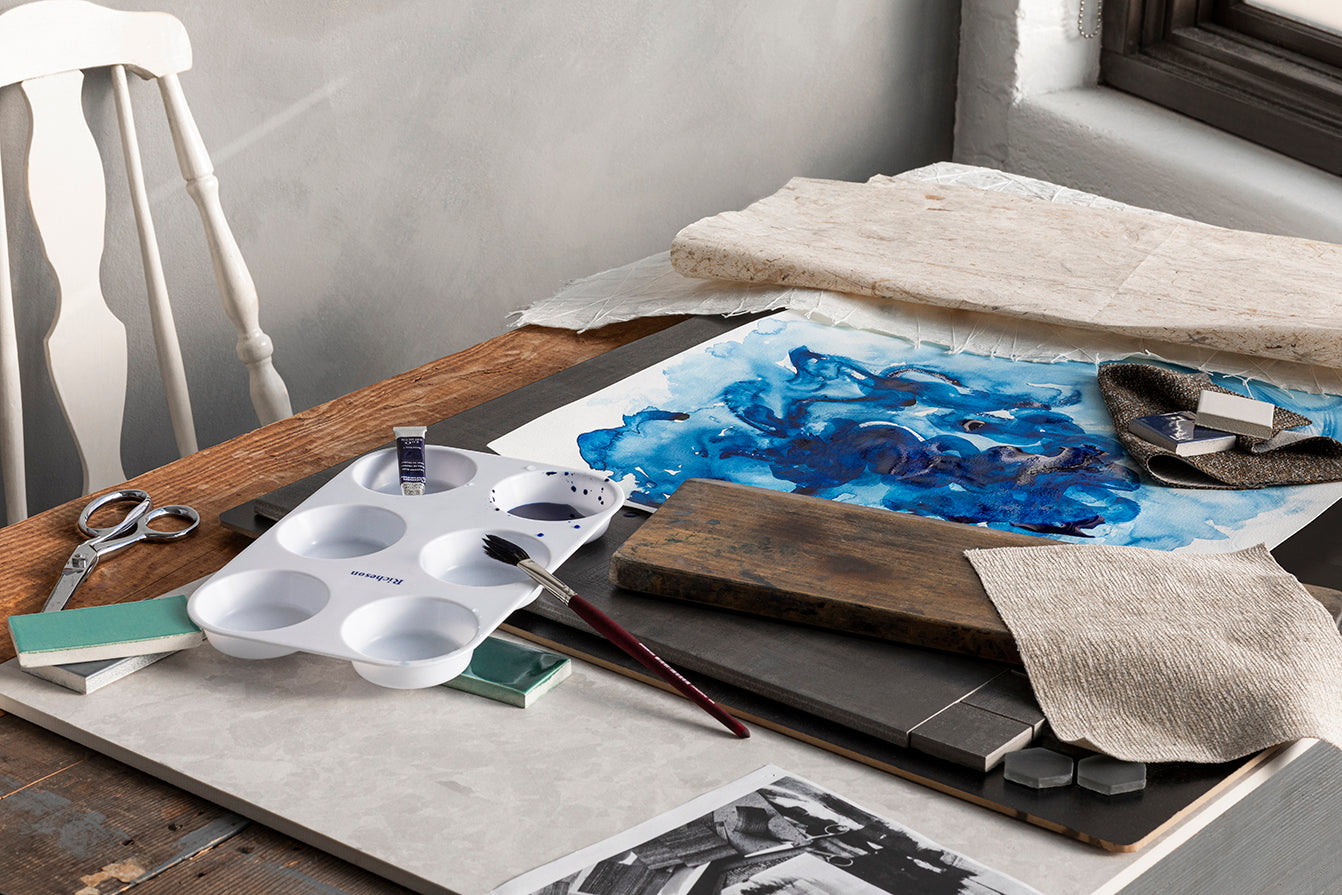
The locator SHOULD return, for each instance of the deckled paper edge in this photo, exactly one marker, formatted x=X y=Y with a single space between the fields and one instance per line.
x=651 y=287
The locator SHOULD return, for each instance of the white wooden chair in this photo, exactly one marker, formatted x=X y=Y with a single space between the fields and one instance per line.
x=45 y=47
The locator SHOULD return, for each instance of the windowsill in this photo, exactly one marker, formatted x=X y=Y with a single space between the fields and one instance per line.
x=1115 y=145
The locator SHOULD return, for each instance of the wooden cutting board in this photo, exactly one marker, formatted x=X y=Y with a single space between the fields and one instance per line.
x=804 y=559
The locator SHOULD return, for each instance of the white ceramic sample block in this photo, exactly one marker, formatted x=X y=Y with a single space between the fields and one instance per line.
x=1234 y=413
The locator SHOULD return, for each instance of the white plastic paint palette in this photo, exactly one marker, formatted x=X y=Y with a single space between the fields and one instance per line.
x=401 y=586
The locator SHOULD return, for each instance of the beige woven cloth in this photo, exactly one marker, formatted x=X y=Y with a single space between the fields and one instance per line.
x=1149 y=655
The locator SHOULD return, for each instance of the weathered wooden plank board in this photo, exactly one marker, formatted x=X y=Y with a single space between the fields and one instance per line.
x=861 y=570
x=61 y=842
x=55 y=836
x=259 y=861
x=28 y=754
x=97 y=825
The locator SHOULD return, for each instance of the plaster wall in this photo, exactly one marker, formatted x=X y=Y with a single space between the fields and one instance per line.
x=400 y=174
x=1029 y=103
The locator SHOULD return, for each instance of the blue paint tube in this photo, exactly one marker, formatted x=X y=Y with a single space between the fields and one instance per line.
x=410 y=458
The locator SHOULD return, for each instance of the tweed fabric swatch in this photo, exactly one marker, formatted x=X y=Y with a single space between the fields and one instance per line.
x=1148 y=655
x=1131 y=390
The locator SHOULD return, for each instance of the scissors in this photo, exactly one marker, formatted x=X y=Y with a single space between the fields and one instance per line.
x=132 y=529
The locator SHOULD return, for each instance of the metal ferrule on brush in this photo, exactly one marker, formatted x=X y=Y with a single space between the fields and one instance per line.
x=538 y=572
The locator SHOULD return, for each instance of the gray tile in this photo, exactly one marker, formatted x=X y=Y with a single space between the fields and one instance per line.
x=1038 y=768
x=878 y=688
x=970 y=736
x=1110 y=776
x=1009 y=694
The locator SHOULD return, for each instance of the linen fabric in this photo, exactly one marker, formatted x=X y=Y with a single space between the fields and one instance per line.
x=1149 y=655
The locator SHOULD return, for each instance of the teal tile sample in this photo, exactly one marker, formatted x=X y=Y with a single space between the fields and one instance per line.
x=515 y=673
x=104 y=632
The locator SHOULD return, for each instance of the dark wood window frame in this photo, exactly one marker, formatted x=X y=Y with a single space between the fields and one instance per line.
x=1238 y=68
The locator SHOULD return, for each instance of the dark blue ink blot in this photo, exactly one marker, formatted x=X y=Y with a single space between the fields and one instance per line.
x=547 y=512
x=907 y=437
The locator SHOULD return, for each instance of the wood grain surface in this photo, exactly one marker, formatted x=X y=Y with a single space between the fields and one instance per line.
x=858 y=569
x=73 y=821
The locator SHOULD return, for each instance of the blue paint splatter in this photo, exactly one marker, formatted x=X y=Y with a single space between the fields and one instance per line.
x=906 y=437
x=869 y=419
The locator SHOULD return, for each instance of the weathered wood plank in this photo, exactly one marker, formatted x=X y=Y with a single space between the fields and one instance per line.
x=29 y=754
x=259 y=860
x=893 y=576
x=54 y=835
x=98 y=824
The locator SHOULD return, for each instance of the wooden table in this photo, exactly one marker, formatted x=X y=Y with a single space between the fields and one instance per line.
x=70 y=818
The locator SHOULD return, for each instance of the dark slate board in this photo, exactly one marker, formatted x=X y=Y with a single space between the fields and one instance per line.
x=852 y=695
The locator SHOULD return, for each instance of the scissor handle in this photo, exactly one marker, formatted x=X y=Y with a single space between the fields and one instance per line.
x=135 y=526
x=153 y=534
x=142 y=506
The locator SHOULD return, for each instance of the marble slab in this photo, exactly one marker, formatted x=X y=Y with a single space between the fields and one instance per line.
x=442 y=791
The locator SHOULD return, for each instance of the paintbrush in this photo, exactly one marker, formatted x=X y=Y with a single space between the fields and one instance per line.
x=506 y=551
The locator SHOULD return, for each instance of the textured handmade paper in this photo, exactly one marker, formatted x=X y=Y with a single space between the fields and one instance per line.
x=1154 y=656
x=1148 y=277
x=652 y=287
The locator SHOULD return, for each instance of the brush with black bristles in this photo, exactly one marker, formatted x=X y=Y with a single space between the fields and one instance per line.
x=506 y=551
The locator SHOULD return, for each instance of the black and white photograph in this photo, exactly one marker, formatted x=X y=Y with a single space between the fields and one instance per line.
x=770 y=833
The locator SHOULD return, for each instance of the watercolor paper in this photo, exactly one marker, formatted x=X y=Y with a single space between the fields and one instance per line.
x=874 y=419
x=767 y=832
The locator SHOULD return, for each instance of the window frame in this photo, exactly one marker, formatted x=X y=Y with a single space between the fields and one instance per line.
x=1246 y=71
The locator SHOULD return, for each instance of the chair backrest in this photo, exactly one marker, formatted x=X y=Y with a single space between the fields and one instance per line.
x=45 y=47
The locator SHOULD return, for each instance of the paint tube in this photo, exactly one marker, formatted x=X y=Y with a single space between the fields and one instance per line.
x=410 y=458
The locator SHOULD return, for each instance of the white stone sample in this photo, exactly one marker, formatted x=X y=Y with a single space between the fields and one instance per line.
x=1235 y=413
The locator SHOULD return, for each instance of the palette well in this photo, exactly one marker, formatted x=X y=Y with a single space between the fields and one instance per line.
x=400 y=585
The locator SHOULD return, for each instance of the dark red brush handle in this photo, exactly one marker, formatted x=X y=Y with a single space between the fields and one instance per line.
x=611 y=630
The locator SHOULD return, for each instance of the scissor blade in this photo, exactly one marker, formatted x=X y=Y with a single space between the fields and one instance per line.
x=77 y=568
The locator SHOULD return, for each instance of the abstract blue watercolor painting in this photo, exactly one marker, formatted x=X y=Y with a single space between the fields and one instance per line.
x=798 y=406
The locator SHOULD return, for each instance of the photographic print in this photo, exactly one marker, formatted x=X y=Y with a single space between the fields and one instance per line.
x=768 y=834
x=879 y=420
